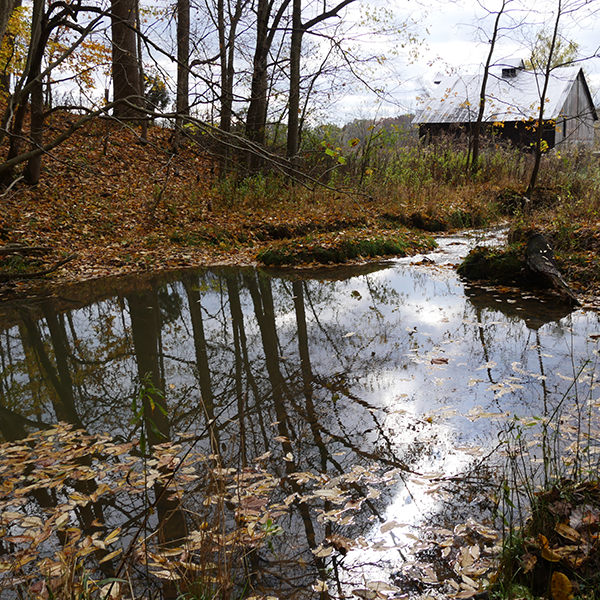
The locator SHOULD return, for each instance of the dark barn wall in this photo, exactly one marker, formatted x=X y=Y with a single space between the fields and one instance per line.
x=519 y=133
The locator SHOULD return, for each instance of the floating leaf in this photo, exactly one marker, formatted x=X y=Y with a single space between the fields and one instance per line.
x=550 y=555
x=113 y=536
x=110 y=556
x=382 y=586
x=388 y=526
x=320 y=586
x=365 y=594
x=263 y=456
x=322 y=551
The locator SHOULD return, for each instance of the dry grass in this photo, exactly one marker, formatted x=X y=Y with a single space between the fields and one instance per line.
x=122 y=206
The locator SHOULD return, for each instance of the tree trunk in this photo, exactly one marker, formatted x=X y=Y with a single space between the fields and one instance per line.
x=540 y=120
x=227 y=55
x=34 y=165
x=256 y=120
x=6 y=8
x=293 y=133
x=486 y=72
x=39 y=37
x=125 y=68
x=298 y=30
x=182 y=105
x=141 y=78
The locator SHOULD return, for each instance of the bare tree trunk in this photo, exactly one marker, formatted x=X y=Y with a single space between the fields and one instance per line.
x=39 y=37
x=256 y=119
x=540 y=120
x=486 y=72
x=298 y=30
x=293 y=133
x=141 y=91
x=34 y=165
x=125 y=67
x=226 y=56
x=182 y=104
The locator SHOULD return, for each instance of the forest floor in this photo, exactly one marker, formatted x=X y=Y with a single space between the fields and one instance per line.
x=108 y=204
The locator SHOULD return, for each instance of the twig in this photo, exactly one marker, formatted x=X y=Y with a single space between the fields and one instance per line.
x=22 y=249
x=11 y=186
x=12 y=276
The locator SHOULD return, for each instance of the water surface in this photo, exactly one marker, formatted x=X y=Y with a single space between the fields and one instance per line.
x=397 y=369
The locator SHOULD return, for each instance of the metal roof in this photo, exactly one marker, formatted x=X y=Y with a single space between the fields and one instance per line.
x=456 y=98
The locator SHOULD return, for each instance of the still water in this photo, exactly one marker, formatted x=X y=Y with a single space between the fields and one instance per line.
x=395 y=375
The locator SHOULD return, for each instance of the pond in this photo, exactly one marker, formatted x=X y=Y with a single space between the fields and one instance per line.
x=373 y=398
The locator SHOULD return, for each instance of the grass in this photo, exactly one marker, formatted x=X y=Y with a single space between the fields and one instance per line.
x=551 y=498
x=341 y=247
x=176 y=211
x=499 y=266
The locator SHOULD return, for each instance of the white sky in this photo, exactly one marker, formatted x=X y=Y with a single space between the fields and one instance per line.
x=450 y=32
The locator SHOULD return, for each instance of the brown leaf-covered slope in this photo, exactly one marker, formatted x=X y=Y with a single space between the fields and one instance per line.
x=123 y=206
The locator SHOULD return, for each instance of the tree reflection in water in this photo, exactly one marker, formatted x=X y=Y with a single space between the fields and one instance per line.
x=334 y=381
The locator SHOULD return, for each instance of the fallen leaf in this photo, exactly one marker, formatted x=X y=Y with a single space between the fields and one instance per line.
x=561 y=587
x=528 y=561
x=320 y=586
x=567 y=532
x=322 y=552
x=550 y=555
x=388 y=526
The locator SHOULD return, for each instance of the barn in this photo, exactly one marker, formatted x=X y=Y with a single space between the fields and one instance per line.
x=512 y=106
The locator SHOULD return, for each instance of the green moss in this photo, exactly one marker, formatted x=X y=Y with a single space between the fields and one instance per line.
x=461 y=219
x=501 y=266
x=333 y=251
x=201 y=237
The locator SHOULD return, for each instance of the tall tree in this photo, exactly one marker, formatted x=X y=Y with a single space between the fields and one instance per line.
x=481 y=109
x=551 y=51
x=540 y=119
x=229 y=15
x=6 y=40
x=6 y=8
x=564 y=53
x=182 y=103
x=125 y=67
x=32 y=87
x=298 y=31
x=256 y=120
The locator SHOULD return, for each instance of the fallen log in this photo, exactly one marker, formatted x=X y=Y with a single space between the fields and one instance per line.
x=539 y=262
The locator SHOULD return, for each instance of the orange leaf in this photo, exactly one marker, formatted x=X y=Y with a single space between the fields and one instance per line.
x=550 y=555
